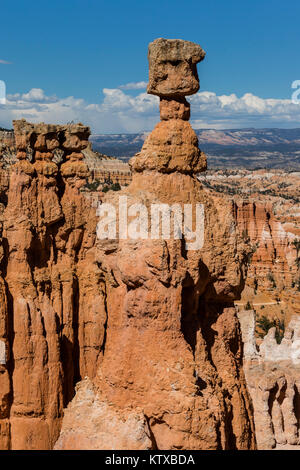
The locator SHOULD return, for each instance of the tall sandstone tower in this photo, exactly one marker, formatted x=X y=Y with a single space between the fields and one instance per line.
x=170 y=371
x=48 y=285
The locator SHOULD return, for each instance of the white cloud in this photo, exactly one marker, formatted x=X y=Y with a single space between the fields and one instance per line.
x=35 y=95
x=4 y=62
x=229 y=111
x=134 y=86
x=121 y=112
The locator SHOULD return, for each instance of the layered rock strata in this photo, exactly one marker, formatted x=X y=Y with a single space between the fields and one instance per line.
x=170 y=374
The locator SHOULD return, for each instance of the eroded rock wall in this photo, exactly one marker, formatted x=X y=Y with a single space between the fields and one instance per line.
x=274 y=264
x=143 y=330
x=273 y=377
x=171 y=370
x=52 y=314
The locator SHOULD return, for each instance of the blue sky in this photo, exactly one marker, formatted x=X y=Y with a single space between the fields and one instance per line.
x=81 y=48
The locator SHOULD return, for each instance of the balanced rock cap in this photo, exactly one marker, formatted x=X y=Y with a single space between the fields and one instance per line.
x=173 y=67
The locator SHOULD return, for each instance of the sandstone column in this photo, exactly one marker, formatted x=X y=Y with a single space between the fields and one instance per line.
x=170 y=376
x=51 y=286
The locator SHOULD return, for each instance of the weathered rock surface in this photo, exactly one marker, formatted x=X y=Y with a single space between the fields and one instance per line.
x=173 y=67
x=275 y=252
x=90 y=423
x=101 y=167
x=268 y=212
x=171 y=369
x=145 y=329
x=273 y=378
x=7 y=146
x=171 y=146
x=51 y=312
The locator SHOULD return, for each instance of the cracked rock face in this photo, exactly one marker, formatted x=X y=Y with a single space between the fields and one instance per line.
x=171 y=361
